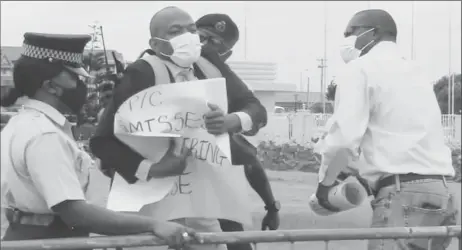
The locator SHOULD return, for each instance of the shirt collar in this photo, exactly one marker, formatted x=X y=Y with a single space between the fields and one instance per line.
x=175 y=69
x=385 y=47
x=44 y=108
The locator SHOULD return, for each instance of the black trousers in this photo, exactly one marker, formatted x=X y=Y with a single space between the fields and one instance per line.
x=232 y=226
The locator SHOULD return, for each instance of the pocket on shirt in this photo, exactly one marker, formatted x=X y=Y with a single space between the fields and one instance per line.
x=83 y=162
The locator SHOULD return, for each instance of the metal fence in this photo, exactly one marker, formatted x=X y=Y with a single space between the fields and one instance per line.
x=302 y=126
x=254 y=237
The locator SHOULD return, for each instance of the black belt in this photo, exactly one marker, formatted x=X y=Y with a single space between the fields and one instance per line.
x=15 y=216
x=390 y=180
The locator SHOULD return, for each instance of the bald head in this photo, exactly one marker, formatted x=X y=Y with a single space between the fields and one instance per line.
x=167 y=17
x=166 y=24
x=379 y=19
x=370 y=28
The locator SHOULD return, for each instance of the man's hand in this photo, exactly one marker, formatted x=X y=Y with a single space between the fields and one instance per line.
x=217 y=122
x=322 y=193
x=170 y=164
x=270 y=221
x=175 y=234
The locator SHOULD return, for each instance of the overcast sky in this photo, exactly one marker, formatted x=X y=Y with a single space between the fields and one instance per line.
x=290 y=34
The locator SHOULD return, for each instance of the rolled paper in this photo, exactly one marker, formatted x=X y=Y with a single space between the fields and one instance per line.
x=345 y=196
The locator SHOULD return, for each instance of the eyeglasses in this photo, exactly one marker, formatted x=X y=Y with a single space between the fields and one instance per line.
x=212 y=40
x=216 y=42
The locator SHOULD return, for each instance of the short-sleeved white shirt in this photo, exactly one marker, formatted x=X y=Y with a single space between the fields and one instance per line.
x=41 y=163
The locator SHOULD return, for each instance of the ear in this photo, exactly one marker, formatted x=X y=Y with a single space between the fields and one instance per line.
x=48 y=87
x=153 y=43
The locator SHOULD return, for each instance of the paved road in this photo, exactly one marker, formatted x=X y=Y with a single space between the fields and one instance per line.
x=293 y=190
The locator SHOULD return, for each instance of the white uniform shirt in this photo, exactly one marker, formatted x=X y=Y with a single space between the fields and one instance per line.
x=182 y=75
x=41 y=163
x=385 y=105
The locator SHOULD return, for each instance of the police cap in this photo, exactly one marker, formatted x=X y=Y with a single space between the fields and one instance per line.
x=220 y=25
x=374 y=18
x=65 y=49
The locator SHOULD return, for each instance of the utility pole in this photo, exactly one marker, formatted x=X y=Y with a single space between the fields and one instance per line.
x=295 y=102
x=412 y=31
x=93 y=44
x=308 y=93
x=104 y=49
x=323 y=63
x=98 y=32
x=450 y=84
x=245 y=31
x=322 y=66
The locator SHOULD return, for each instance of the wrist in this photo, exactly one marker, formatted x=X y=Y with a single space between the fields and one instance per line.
x=154 y=226
x=273 y=207
x=233 y=123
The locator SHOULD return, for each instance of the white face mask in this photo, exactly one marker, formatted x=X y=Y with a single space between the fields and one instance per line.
x=348 y=51
x=186 y=49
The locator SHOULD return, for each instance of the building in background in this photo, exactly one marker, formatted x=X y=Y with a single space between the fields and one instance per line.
x=261 y=78
x=9 y=56
x=300 y=100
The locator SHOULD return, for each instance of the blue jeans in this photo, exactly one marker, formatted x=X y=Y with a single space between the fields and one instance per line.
x=420 y=203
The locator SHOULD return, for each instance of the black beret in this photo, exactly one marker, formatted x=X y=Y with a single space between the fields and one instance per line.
x=374 y=18
x=221 y=25
x=67 y=49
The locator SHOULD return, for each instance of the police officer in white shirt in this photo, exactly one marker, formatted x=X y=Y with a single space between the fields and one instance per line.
x=386 y=107
x=45 y=174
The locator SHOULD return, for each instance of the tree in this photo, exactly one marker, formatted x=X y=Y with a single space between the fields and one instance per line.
x=441 y=91
x=331 y=88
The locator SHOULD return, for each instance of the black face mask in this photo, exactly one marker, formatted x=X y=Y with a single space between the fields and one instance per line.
x=208 y=49
x=226 y=55
x=75 y=98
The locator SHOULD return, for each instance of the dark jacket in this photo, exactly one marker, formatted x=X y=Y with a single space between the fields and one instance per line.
x=139 y=76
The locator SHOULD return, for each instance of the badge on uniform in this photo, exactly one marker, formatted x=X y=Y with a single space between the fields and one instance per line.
x=220 y=26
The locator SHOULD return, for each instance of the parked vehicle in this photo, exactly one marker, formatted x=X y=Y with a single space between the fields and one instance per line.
x=279 y=110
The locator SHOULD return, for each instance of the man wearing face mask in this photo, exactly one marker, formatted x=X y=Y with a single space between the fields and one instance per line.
x=219 y=34
x=175 y=56
x=401 y=138
x=44 y=173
